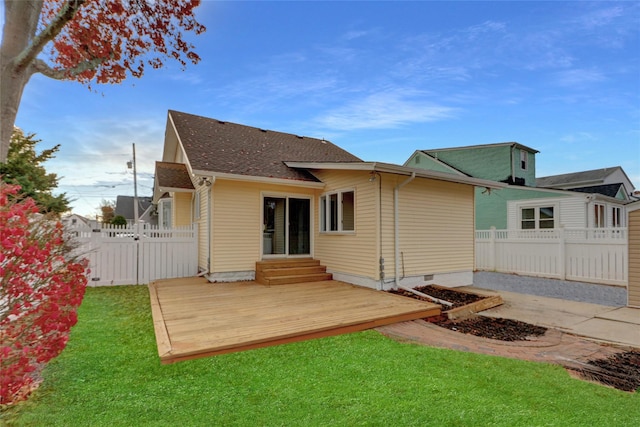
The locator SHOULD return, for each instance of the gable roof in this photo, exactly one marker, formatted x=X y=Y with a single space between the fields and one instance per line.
x=610 y=190
x=173 y=175
x=438 y=161
x=212 y=145
x=125 y=206
x=584 y=177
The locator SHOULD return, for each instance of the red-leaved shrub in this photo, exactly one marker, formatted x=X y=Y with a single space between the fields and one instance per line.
x=42 y=285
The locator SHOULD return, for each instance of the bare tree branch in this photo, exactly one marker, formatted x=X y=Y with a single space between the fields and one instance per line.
x=66 y=14
x=39 y=66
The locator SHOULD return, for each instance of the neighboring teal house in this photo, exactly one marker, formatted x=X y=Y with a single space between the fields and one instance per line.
x=579 y=200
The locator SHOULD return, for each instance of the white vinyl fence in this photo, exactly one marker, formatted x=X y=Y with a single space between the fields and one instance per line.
x=117 y=257
x=594 y=255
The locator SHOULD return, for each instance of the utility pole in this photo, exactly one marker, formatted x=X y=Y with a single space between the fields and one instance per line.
x=135 y=194
x=136 y=236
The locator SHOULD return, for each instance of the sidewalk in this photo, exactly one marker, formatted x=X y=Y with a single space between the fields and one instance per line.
x=619 y=325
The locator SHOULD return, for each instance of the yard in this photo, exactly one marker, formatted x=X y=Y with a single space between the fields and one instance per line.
x=110 y=375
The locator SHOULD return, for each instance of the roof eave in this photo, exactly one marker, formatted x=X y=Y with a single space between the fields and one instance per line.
x=397 y=170
x=255 y=178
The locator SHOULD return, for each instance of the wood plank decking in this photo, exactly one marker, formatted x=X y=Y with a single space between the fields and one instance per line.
x=194 y=318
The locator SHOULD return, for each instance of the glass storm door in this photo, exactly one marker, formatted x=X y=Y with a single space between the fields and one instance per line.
x=286 y=226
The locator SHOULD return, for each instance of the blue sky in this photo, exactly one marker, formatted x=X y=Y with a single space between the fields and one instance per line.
x=380 y=79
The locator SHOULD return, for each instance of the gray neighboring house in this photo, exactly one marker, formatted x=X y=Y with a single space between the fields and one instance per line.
x=612 y=182
x=146 y=210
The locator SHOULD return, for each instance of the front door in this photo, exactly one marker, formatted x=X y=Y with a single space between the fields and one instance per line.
x=286 y=226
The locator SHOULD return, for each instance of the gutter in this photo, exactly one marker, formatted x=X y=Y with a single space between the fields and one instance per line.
x=396 y=225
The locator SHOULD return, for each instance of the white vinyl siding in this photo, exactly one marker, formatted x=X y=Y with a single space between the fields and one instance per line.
x=568 y=212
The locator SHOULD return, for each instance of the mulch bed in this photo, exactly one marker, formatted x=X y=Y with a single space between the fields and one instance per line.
x=458 y=299
x=621 y=370
x=496 y=329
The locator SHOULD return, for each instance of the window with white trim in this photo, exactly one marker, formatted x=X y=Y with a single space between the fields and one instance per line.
x=616 y=216
x=534 y=218
x=523 y=159
x=196 y=206
x=337 y=211
x=165 y=213
x=599 y=218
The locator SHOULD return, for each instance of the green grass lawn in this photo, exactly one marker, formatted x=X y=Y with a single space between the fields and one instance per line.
x=110 y=375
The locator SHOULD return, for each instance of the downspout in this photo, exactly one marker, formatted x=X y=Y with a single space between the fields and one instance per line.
x=396 y=226
x=210 y=222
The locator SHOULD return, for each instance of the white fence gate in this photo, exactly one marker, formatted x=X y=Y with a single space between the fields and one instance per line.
x=594 y=255
x=117 y=257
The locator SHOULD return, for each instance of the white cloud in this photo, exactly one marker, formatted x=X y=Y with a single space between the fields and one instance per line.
x=384 y=110
x=578 y=137
x=578 y=77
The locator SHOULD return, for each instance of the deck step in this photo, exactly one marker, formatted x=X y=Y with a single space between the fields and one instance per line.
x=281 y=272
x=284 y=263
x=294 y=271
x=299 y=278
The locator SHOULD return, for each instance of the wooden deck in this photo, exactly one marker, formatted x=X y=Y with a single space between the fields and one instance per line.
x=194 y=318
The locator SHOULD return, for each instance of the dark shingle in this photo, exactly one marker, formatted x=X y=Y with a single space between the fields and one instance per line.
x=173 y=175
x=567 y=179
x=610 y=190
x=224 y=147
x=125 y=206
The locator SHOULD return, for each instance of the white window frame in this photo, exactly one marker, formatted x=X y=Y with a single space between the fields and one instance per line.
x=536 y=218
x=617 y=218
x=196 y=205
x=599 y=215
x=524 y=160
x=327 y=216
x=165 y=204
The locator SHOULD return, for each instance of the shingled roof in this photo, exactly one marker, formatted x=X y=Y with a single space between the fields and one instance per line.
x=567 y=179
x=217 y=146
x=610 y=190
x=173 y=175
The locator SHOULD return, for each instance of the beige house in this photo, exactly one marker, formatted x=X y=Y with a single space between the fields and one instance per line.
x=633 y=288
x=258 y=195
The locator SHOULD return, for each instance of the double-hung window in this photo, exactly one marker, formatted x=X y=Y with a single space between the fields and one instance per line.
x=616 y=216
x=523 y=159
x=337 y=211
x=599 y=219
x=537 y=218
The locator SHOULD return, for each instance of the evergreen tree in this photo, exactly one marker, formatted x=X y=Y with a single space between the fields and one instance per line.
x=24 y=167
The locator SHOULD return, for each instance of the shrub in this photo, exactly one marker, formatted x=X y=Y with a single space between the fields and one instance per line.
x=119 y=220
x=42 y=285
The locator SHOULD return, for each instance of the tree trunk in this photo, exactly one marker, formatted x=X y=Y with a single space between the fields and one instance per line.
x=21 y=21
